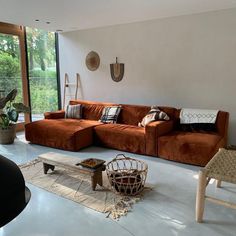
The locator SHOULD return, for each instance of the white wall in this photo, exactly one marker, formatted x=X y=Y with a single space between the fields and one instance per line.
x=187 y=61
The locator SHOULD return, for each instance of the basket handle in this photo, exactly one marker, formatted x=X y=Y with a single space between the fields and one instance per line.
x=121 y=155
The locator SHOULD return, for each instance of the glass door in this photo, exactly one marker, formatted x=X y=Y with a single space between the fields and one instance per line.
x=42 y=72
x=13 y=73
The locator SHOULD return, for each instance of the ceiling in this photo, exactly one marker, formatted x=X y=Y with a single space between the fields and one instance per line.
x=70 y=15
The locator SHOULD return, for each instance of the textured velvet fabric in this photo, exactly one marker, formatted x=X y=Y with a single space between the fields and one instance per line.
x=91 y=110
x=133 y=114
x=222 y=123
x=55 y=115
x=122 y=137
x=195 y=148
x=153 y=131
x=160 y=138
x=66 y=134
x=187 y=147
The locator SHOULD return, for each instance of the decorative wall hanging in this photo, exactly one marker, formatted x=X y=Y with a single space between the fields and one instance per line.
x=117 y=71
x=92 y=61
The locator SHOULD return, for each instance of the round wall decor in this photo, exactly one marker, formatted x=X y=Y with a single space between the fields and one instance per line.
x=92 y=61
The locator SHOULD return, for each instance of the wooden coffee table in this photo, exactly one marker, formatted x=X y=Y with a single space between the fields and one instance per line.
x=51 y=159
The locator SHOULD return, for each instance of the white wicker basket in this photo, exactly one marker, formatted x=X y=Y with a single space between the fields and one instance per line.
x=126 y=175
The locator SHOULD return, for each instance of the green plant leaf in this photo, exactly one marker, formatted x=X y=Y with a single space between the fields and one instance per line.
x=5 y=121
x=12 y=95
x=3 y=102
x=13 y=115
x=20 y=107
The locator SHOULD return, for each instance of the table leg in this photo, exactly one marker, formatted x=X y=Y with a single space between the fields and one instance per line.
x=96 y=178
x=46 y=167
x=200 y=198
x=218 y=183
x=99 y=178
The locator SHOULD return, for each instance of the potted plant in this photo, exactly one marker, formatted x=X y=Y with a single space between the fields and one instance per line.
x=9 y=113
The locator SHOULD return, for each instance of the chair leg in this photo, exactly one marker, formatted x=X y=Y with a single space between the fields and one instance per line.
x=218 y=183
x=200 y=198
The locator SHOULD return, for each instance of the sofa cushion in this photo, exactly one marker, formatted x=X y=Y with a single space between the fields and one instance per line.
x=153 y=115
x=187 y=147
x=110 y=114
x=67 y=134
x=122 y=137
x=132 y=114
x=91 y=110
x=73 y=111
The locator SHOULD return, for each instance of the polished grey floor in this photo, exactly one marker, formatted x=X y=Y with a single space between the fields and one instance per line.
x=167 y=210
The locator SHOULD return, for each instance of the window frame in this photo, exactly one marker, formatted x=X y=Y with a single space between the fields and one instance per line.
x=15 y=30
x=20 y=31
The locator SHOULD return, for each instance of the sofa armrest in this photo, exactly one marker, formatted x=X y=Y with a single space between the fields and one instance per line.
x=159 y=128
x=153 y=131
x=222 y=123
x=55 y=115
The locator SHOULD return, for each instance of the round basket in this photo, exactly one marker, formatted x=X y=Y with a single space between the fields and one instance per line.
x=126 y=175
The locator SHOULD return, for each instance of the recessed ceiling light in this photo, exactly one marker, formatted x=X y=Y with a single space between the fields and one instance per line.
x=37 y=20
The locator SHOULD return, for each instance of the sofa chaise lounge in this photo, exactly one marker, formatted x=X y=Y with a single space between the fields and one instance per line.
x=159 y=138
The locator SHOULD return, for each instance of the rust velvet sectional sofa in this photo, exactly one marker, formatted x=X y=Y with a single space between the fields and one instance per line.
x=159 y=138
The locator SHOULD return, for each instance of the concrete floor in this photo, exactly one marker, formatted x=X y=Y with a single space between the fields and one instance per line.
x=167 y=210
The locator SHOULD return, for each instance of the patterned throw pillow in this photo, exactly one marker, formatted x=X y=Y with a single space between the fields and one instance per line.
x=154 y=114
x=110 y=114
x=74 y=111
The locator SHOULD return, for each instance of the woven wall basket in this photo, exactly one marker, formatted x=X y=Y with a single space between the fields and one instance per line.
x=126 y=175
x=92 y=61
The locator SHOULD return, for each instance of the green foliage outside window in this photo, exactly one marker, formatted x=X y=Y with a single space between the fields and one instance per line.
x=42 y=69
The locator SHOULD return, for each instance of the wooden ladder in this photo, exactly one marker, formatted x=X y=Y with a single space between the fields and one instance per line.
x=68 y=88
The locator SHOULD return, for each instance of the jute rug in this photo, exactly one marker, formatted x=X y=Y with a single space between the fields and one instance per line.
x=77 y=187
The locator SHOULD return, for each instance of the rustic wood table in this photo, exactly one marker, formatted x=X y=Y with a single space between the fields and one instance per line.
x=51 y=159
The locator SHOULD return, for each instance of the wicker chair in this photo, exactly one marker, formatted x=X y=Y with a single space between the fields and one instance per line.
x=221 y=167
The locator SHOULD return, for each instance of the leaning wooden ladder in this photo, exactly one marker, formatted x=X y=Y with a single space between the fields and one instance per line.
x=67 y=88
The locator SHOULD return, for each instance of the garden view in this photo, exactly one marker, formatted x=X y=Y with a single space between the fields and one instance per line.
x=41 y=65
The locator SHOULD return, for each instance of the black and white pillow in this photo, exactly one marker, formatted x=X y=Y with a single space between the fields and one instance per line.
x=74 y=111
x=154 y=114
x=110 y=114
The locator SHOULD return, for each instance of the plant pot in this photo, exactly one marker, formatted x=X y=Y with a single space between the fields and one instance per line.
x=7 y=136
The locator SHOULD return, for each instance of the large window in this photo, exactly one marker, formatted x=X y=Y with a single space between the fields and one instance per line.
x=42 y=72
x=10 y=66
x=13 y=73
x=39 y=89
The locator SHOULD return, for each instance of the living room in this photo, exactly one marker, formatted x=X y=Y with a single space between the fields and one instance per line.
x=170 y=54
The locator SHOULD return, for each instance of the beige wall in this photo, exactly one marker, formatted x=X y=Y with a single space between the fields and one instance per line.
x=186 y=61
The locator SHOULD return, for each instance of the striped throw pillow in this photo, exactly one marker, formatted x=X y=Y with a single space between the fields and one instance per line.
x=154 y=114
x=74 y=111
x=110 y=114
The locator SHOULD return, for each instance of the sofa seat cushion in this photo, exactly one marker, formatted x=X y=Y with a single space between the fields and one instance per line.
x=122 y=137
x=187 y=147
x=66 y=134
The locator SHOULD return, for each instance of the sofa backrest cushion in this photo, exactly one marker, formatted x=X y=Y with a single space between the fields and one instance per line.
x=130 y=114
x=133 y=114
x=91 y=110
